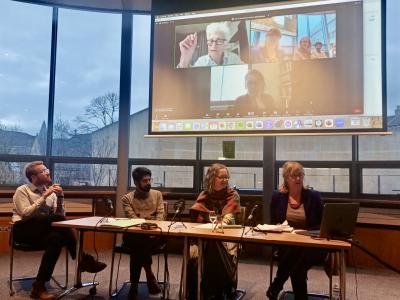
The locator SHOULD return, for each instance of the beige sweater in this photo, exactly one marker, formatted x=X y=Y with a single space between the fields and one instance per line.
x=150 y=207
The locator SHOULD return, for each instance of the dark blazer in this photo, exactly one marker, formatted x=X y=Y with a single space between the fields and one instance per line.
x=313 y=207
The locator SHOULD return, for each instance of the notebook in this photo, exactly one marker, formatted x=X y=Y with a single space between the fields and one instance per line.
x=338 y=221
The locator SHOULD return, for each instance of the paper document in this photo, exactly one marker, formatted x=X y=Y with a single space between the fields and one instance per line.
x=121 y=222
x=226 y=226
x=211 y=226
x=205 y=226
x=274 y=228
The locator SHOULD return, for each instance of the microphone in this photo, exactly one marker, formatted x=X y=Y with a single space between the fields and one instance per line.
x=179 y=206
x=251 y=215
x=110 y=205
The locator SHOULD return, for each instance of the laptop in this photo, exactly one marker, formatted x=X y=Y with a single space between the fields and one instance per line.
x=338 y=221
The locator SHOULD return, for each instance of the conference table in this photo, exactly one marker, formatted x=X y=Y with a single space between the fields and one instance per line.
x=192 y=231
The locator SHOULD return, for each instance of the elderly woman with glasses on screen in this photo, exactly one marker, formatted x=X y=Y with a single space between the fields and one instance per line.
x=219 y=280
x=217 y=40
x=302 y=208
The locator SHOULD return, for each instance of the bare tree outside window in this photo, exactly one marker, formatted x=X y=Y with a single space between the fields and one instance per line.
x=101 y=111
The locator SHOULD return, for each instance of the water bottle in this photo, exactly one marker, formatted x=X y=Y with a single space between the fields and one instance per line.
x=335 y=292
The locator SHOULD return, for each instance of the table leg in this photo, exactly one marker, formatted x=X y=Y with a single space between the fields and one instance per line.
x=78 y=274
x=199 y=267
x=342 y=274
x=185 y=261
x=110 y=291
x=165 y=293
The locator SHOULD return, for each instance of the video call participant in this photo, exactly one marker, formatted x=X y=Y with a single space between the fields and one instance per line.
x=304 y=49
x=144 y=203
x=302 y=208
x=36 y=205
x=219 y=278
x=217 y=39
x=271 y=51
x=317 y=52
x=255 y=100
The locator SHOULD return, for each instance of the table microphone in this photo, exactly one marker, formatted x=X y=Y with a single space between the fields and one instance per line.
x=251 y=215
x=109 y=205
x=179 y=206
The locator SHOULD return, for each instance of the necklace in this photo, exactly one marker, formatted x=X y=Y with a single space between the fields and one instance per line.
x=294 y=204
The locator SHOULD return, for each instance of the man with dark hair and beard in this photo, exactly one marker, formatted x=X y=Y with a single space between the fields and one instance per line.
x=144 y=203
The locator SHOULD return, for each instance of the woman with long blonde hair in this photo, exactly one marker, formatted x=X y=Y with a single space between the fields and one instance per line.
x=220 y=272
x=302 y=208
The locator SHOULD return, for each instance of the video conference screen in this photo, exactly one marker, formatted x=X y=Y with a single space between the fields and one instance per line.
x=290 y=67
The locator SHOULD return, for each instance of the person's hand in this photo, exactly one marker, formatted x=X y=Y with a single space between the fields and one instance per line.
x=58 y=190
x=187 y=47
x=55 y=188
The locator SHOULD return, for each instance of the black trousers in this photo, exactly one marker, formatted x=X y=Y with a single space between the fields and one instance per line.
x=39 y=233
x=294 y=262
x=219 y=279
x=141 y=249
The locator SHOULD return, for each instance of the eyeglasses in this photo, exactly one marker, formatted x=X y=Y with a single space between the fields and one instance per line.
x=295 y=176
x=43 y=171
x=218 y=42
x=223 y=177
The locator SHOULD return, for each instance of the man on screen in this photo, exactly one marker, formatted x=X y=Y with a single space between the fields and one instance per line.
x=255 y=100
x=217 y=40
x=317 y=52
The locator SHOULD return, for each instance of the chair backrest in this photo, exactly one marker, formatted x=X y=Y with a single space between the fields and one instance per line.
x=241 y=217
x=165 y=203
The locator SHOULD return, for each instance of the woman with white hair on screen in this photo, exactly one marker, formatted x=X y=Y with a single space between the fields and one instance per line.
x=217 y=40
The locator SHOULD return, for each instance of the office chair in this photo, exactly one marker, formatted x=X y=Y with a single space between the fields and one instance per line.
x=14 y=245
x=330 y=269
x=123 y=249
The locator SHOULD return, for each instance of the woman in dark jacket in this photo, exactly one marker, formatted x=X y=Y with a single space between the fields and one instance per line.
x=302 y=208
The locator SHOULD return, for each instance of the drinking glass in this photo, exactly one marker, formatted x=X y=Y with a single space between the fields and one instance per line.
x=213 y=216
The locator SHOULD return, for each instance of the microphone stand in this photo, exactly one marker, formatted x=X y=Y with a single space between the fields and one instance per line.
x=110 y=212
x=178 y=213
x=249 y=218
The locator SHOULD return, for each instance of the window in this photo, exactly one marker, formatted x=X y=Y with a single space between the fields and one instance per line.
x=244 y=148
x=170 y=176
x=159 y=148
x=381 y=181
x=25 y=32
x=244 y=178
x=12 y=173
x=313 y=148
x=85 y=174
x=87 y=84
x=380 y=147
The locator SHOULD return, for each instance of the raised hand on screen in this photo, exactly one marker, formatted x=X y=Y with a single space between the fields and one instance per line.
x=187 y=47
